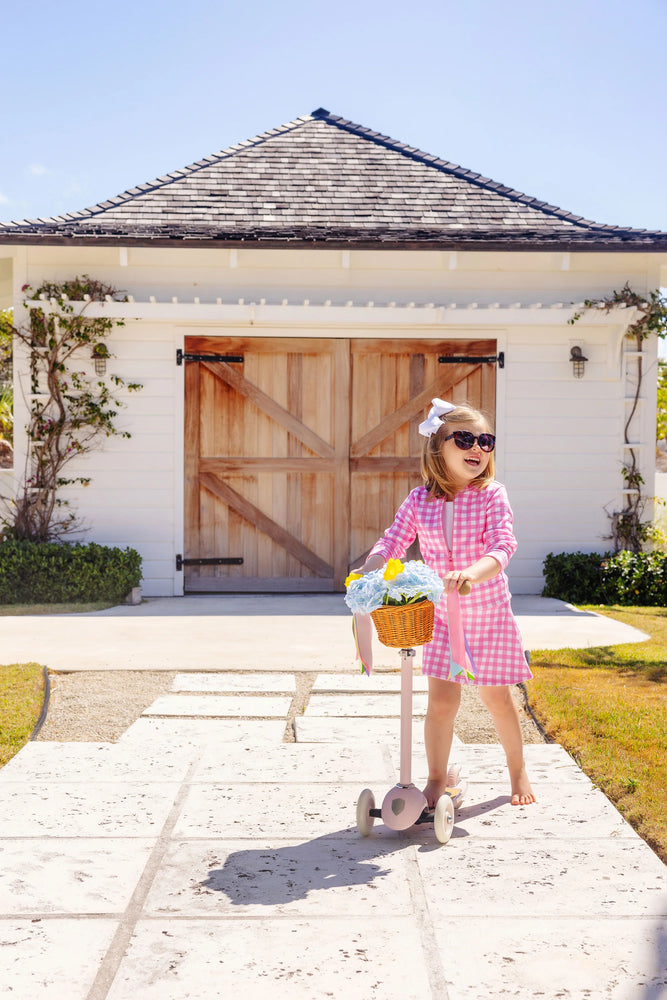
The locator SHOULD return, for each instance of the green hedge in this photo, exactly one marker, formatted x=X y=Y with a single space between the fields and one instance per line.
x=51 y=573
x=592 y=578
x=574 y=577
x=636 y=578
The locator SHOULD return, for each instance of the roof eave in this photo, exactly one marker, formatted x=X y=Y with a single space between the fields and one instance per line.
x=608 y=243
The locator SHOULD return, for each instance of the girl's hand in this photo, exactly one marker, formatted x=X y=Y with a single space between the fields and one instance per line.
x=372 y=563
x=460 y=580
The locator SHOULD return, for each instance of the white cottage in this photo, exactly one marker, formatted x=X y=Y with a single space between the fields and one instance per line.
x=294 y=302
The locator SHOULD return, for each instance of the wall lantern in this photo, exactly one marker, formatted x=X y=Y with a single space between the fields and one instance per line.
x=578 y=362
x=99 y=356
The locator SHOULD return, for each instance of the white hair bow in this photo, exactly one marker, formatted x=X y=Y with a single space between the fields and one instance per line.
x=433 y=422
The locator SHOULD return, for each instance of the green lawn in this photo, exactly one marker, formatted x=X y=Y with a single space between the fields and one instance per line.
x=608 y=707
x=21 y=700
x=54 y=609
x=22 y=684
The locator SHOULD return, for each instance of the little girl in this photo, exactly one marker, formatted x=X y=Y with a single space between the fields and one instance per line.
x=464 y=522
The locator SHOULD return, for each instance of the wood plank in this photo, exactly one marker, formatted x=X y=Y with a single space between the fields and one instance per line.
x=340 y=495
x=417 y=382
x=256 y=345
x=191 y=449
x=253 y=584
x=224 y=465
x=488 y=401
x=269 y=406
x=293 y=518
x=265 y=547
x=259 y=519
x=444 y=383
x=368 y=510
x=381 y=346
x=385 y=463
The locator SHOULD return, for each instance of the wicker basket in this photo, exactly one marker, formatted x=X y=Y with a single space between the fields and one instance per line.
x=404 y=625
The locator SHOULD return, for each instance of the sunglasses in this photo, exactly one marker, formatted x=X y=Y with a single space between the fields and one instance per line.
x=465 y=440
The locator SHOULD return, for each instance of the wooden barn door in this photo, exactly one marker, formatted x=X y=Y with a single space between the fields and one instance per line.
x=297 y=455
x=267 y=452
x=393 y=382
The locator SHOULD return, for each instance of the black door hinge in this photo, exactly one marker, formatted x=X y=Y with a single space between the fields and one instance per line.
x=474 y=359
x=182 y=356
x=218 y=561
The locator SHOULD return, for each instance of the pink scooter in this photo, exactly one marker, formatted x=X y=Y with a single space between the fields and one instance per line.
x=405 y=805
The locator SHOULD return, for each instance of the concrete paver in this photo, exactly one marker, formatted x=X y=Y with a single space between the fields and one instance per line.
x=289 y=763
x=328 y=876
x=266 y=810
x=98 y=763
x=83 y=875
x=219 y=706
x=227 y=682
x=363 y=684
x=355 y=731
x=52 y=959
x=370 y=706
x=285 y=959
x=201 y=858
x=544 y=956
x=606 y=876
x=82 y=809
x=194 y=733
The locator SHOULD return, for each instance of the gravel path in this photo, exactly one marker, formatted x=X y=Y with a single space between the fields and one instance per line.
x=98 y=706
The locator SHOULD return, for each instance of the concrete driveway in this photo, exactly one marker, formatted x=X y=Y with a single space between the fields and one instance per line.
x=258 y=632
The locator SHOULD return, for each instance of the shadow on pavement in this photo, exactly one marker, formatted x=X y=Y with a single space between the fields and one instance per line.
x=272 y=876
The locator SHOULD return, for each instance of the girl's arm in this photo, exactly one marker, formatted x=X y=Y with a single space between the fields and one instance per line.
x=484 y=569
x=498 y=536
x=499 y=545
x=396 y=539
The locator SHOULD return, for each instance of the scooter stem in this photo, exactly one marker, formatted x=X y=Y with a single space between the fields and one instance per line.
x=406 y=716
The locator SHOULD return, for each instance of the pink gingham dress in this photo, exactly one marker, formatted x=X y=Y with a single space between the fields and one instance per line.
x=482 y=526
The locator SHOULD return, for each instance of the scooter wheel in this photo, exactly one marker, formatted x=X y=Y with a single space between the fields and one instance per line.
x=443 y=820
x=365 y=803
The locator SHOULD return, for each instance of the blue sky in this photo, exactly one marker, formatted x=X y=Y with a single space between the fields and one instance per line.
x=564 y=101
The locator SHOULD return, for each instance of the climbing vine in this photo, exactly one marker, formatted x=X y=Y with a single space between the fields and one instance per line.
x=629 y=530
x=71 y=412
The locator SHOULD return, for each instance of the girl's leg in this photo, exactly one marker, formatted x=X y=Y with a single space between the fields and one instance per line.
x=444 y=698
x=505 y=715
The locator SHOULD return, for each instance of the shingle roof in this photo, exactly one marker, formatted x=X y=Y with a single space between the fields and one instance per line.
x=322 y=180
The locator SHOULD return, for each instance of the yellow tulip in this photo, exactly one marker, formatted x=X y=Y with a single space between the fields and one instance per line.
x=351 y=577
x=393 y=568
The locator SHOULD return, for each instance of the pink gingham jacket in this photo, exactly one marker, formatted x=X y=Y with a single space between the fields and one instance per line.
x=482 y=527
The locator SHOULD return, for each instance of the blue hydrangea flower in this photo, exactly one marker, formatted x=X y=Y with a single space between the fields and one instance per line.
x=417 y=581
x=367 y=594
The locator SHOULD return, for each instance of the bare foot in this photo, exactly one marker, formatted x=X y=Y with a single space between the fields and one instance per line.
x=433 y=790
x=522 y=792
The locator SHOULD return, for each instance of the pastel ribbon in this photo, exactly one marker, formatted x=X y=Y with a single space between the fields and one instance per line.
x=461 y=663
x=433 y=422
x=362 y=629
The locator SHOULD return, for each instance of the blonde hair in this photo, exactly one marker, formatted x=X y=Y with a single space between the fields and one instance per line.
x=436 y=476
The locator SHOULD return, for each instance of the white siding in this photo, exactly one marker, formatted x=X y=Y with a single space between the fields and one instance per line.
x=560 y=439
x=130 y=500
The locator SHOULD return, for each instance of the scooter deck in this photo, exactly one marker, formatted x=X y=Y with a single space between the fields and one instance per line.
x=455 y=794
